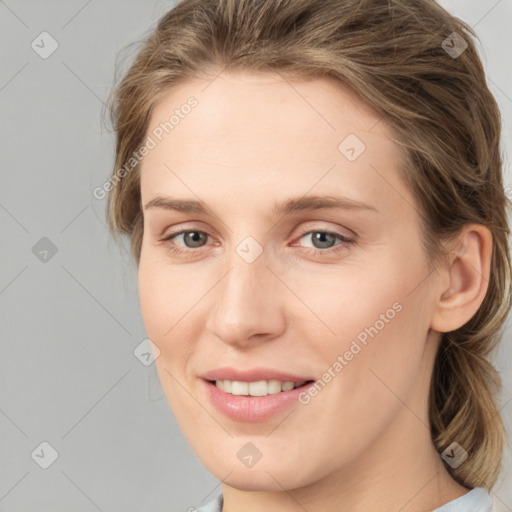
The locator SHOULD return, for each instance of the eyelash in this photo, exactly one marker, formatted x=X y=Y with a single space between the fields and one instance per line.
x=345 y=241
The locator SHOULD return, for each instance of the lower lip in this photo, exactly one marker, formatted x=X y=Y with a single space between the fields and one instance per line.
x=252 y=408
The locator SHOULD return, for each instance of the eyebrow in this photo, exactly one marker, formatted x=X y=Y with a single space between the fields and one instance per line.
x=292 y=205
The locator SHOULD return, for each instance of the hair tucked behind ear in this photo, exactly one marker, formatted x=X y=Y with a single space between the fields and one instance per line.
x=391 y=53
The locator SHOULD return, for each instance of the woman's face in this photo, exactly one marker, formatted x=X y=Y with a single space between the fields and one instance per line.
x=299 y=259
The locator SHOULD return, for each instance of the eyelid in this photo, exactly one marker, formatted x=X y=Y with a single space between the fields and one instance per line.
x=326 y=231
x=174 y=234
x=193 y=225
x=337 y=230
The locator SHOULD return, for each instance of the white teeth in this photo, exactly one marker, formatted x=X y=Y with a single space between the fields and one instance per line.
x=258 y=388
x=239 y=388
x=273 y=387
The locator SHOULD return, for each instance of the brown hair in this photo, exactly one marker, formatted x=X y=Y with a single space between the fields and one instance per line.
x=445 y=118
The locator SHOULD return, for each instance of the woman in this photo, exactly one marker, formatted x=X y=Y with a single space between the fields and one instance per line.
x=314 y=198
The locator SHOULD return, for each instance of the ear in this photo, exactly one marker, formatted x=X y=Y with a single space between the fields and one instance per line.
x=464 y=279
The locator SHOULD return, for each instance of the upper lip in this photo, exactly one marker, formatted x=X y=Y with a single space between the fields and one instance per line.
x=252 y=375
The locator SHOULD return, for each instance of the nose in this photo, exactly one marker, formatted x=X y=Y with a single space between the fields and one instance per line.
x=247 y=304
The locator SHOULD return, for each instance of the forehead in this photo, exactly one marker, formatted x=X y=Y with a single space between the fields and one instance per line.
x=252 y=101
x=262 y=131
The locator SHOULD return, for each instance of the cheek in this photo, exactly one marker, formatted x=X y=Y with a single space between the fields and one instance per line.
x=164 y=303
x=165 y=294
x=357 y=300
x=172 y=302
x=366 y=322
x=381 y=325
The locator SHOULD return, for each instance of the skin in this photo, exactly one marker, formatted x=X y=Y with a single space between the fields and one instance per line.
x=254 y=140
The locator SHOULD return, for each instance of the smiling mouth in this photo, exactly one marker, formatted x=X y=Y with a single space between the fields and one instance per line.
x=257 y=388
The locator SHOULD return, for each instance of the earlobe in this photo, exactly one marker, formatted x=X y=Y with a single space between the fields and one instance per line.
x=467 y=270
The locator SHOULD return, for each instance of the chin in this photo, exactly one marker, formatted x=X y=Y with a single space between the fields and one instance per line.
x=259 y=481
x=272 y=476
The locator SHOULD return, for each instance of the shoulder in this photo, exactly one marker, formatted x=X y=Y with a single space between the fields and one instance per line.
x=214 y=505
x=476 y=500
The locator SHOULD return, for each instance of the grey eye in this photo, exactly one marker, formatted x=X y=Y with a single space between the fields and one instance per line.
x=194 y=239
x=322 y=240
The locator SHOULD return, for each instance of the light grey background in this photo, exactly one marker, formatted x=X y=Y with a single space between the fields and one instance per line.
x=70 y=323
